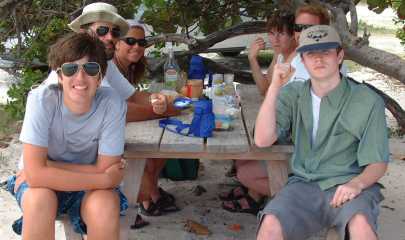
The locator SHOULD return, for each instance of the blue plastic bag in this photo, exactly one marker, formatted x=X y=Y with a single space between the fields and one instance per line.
x=202 y=125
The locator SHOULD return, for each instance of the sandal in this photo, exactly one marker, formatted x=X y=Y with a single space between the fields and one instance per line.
x=232 y=171
x=139 y=222
x=234 y=194
x=254 y=206
x=163 y=205
x=152 y=211
x=168 y=196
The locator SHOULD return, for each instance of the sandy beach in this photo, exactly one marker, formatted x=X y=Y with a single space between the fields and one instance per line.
x=206 y=209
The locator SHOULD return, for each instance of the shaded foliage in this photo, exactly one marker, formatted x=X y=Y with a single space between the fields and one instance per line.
x=33 y=25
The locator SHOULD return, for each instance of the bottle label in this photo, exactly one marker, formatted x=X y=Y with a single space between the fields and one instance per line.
x=171 y=78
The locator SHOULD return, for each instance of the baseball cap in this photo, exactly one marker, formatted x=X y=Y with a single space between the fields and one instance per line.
x=319 y=37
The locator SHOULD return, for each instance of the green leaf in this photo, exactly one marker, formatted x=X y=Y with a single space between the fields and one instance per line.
x=378 y=6
x=401 y=11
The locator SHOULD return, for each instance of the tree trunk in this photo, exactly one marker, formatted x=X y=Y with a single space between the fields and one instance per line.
x=356 y=49
x=392 y=106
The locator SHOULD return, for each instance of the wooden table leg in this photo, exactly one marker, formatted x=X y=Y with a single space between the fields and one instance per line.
x=131 y=187
x=277 y=171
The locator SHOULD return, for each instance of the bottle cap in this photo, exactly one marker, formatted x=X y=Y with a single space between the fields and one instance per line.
x=228 y=78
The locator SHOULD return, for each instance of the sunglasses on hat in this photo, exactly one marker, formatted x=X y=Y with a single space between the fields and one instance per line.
x=103 y=30
x=132 y=41
x=301 y=27
x=70 y=69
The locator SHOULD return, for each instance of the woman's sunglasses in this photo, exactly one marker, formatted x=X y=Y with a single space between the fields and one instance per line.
x=301 y=27
x=132 y=41
x=103 y=30
x=70 y=69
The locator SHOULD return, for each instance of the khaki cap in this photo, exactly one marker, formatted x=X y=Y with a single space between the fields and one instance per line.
x=319 y=37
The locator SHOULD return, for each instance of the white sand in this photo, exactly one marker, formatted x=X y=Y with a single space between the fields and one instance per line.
x=206 y=208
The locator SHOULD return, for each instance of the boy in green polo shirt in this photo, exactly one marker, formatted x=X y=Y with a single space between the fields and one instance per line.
x=341 y=146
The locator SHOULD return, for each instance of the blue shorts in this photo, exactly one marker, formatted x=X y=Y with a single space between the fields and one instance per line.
x=68 y=203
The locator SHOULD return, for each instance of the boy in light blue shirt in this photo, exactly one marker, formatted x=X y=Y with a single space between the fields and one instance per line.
x=73 y=139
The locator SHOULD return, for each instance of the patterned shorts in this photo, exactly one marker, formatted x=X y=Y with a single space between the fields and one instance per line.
x=68 y=203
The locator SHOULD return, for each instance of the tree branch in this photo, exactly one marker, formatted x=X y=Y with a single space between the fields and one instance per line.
x=172 y=37
x=197 y=45
x=353 y=18
x=357 y=50
x=237 y=30
x=18 y=63
x=390 y=104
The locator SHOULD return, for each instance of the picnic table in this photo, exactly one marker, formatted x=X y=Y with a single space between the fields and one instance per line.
x=146 y=140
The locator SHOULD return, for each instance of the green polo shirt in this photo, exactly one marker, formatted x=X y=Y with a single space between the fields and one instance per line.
x=352 y=132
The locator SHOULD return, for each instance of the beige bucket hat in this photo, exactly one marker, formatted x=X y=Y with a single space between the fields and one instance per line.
x=319 y=37
x=100 y=11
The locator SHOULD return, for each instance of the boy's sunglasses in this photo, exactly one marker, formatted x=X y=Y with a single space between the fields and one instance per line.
x=70 y=69
x=103 y=30
x=132 y=41
x=301 y=27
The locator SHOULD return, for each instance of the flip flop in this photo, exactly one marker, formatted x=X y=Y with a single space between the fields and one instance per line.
x=231 y=195
x=254 y=206
x=139 y=222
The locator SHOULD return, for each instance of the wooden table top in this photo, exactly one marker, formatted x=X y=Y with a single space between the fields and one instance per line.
x=147 y=140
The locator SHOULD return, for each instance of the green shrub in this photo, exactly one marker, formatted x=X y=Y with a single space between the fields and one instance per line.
x=18 y=92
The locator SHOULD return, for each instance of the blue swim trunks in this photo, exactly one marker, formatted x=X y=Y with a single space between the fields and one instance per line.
x=68 y=203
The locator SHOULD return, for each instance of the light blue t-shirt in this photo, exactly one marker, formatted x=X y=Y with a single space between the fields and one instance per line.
x=69 y=137
x=113 y=78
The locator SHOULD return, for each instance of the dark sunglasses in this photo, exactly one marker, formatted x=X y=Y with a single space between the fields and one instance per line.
x=132 y=41
x=301 y=27
x=103 y=30
x=70 y=69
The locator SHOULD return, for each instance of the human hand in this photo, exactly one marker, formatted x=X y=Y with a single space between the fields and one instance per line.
x=115 y=173
x=345 y=193
x=21 y=177
x=255 y=47
x=282 y=72
x=159 y=103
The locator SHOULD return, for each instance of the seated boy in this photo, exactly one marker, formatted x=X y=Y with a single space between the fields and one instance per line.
x=340 y=146
x=73 y=139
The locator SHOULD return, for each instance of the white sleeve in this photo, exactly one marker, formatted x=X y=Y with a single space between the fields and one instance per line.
x=117 y=81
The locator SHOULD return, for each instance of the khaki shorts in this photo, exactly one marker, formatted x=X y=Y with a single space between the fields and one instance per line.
x=303 y=209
